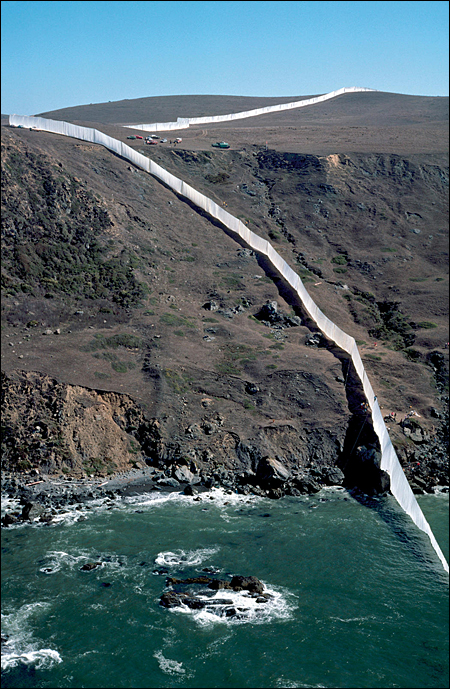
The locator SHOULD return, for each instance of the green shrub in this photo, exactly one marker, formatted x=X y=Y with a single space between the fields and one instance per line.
x=412 y=354
x=178 y=382
x=120 y=340
x=220 y=178
x=427 y=325
x=119 y=366
x=175 y=320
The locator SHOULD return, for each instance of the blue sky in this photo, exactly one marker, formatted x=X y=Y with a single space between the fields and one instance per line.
x=61 y=54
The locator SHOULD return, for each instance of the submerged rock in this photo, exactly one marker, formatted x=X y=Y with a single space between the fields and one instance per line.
x=9 y=519
x=218 y=584
x=198 y=600
x=89 y=566
x=170 y=599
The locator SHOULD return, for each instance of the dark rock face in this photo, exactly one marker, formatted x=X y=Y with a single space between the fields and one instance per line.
x=252 y=389
x=413 y=430
x=171 y=581
x=31 y=510
x=306 y=484
x=365 y=473
x=270 y=315
x=9 y=519
x=271 y=473
x=169 y=481
x=90 y=566
x=315 y=340
x=218 y=584
x=170 y=599
x=251 y=584
x=190 y=490
x=333 y=476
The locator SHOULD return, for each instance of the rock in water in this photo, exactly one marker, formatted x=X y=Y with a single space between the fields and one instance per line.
x=90 y=565
x=251 y=584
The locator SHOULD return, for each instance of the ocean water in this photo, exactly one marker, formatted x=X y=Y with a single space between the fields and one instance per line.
x=359 y=598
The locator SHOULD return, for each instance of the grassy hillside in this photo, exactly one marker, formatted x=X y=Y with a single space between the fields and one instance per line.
x=113 y=283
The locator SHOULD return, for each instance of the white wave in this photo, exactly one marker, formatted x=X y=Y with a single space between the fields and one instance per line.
x=20 y=647
x=220 y=498
x=247 y=610
x=190 y=558
x=56 y=560
x=441 y=490
x=170 y=667
x=9 y=504
x=152 y=499
x=289 y=684
x=354 y=619
x=41 y=659
x=59 y=560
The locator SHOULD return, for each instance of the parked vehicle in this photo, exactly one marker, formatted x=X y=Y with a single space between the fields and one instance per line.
x=152 y=142
x=131 y=137
x=178 y=141
x=221 y=144
x=163 y=141
x=139 y=137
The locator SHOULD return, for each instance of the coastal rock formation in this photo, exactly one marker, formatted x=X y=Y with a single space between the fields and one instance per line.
x=198 y=598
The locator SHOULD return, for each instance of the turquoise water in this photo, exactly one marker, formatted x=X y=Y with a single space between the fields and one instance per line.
x=359 y=597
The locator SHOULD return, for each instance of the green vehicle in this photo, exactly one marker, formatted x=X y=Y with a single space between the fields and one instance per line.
x=221 y=144
x=131 y=137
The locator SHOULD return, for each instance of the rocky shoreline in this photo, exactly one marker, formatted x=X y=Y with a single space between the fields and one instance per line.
x=42 y=497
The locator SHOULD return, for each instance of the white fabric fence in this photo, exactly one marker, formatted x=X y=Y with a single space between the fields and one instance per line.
x=400 y=487
x=185 y=122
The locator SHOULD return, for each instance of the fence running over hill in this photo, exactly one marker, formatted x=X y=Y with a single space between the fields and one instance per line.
x=185 y=122
x=400 y=487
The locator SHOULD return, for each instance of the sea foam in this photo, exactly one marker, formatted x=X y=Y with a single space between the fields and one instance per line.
x=246 y=609
x=168 y=666
x=20 y=648
x=182 y=558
